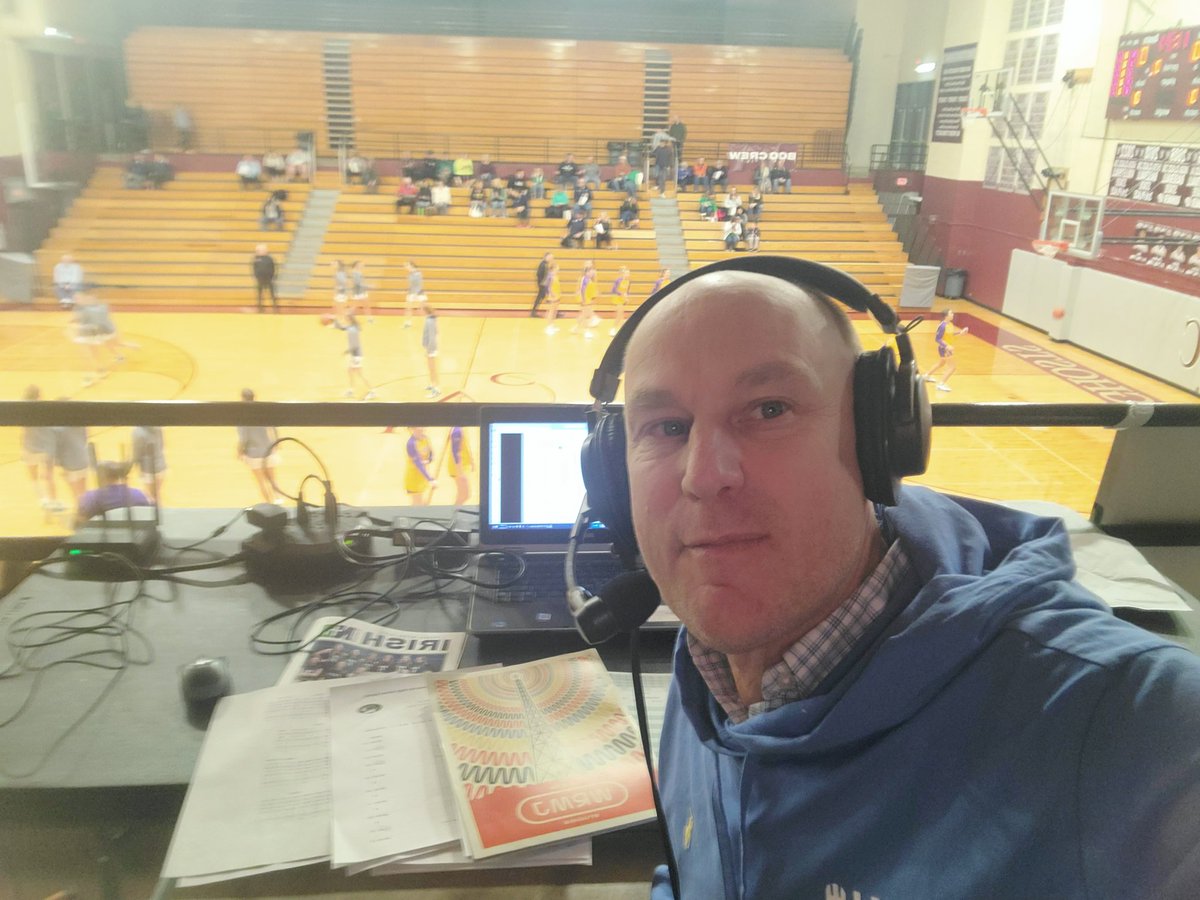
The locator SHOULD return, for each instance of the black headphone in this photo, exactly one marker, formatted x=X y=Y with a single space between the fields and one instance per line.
x=892 y=419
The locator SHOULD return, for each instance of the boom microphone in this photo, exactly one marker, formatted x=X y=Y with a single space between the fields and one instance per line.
x=622 y=606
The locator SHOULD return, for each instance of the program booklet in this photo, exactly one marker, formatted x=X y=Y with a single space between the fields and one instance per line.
x=337 y=647
x=539 y=753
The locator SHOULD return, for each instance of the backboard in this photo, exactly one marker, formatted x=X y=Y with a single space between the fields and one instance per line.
x=1076 y=219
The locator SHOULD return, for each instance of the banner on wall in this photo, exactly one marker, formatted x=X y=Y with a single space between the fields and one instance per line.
x=954 y=93
x=1152 y=173
x=747 y=157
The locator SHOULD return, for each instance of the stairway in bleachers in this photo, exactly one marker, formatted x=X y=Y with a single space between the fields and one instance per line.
x=297 y=269
x=672 y=253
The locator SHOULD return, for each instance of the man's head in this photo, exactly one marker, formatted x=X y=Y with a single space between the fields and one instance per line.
x=261 y=250
x=111 y=472
x=68 y=258
x=746 y=493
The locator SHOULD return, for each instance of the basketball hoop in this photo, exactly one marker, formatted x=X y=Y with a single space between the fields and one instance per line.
x=1050 y=249
x=974 y=112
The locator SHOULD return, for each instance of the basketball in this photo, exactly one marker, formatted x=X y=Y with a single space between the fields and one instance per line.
x=326 y=320
x=1058 y=312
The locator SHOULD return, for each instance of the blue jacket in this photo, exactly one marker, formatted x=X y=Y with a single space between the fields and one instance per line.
x=998 y=735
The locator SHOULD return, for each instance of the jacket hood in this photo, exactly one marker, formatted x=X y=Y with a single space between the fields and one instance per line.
x=982 y=569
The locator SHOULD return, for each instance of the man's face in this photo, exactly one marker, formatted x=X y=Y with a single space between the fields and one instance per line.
x=747 y=499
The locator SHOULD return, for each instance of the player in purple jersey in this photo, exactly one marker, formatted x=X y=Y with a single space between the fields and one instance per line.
x=945 y=351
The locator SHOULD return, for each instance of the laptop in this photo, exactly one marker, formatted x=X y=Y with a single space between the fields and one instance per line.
x=530 y=489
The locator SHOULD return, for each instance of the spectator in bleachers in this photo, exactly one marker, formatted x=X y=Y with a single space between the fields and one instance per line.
x=664 y=163
x=429 y=166
x=370 y=177
x=498 y=198
x=183 y=127
x=537 y=184
x=734 y=227
x=464 y=169
x=271 y=214
x=684 y=177
x=733 y=204
x=112 y=491
x=700 y=174
x=478 y=199
x=444 y=171
x=263 y=267
x=754 y=205
x=708 y=207
x=409 y=168
x=406 y=195
x=568 y=171
x=781 y=177
x=576 y=227
x=161 y=171
x=273 y=164
x=620 y=179
x=355 y=167
x=256 y=448
x=68 y=280
x=678 y=133
x=137 y=173
x=752 y=237
x=249 y=170
x=583 y=196
x=487 y=170
x=629 y=213
x=517 y=182
x=602 y=231
x=718 y=176
x=424 y=198
x=149 y=455
x=440 y=195
x=762 y=177
x=591 y=173
x=298 y=165
x=521 y=204
x=543 y=269
x=559 y=205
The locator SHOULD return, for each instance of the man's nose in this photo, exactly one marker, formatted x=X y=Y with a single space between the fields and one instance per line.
x=714 y=463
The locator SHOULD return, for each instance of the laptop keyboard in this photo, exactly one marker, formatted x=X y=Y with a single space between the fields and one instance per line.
x=544 y=579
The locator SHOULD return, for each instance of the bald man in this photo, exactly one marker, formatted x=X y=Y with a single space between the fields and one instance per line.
x=912 y=701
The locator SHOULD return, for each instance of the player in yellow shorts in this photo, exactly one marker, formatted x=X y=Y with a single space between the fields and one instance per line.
x=620 y=296
x=459 y=463
x=418 y=467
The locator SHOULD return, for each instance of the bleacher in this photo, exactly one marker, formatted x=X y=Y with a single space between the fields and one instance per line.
x=479 y=264
x=189 y=243
x=827 y=225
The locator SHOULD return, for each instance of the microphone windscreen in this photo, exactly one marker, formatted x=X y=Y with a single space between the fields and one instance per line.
x=631 y=597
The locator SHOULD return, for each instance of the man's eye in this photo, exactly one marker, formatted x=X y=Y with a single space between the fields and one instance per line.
x=672 y=428
x=770 y=409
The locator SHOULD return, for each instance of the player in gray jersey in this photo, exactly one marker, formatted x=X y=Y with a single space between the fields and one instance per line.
x=429 y=341
x=416 y=291
x=354 y=369
x=95 y=330
x=148 y=454
x=37 y=452
x=256 y=451
x=71 y=456
x=358 y=287
x=341 y=282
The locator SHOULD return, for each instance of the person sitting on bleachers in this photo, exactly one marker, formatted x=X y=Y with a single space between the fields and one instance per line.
x=583 y=195
x=684 y=177
x=429 y=167
x=137 y=173
x=424 y=198
x=602 y=231
x=271 y=215
x=517 y=182
x=708 y=207
x=112 y=492
x=733 y=204
x=370 y=176
x=700 y=175
x=576 y=228
x=440 y=195
x=498 y=199
x=629 y=213
x=520 y=204
x=733 y=232
x=620 y=177
x=298 y=163
x=591 y=173
x=478 y=198
x=762 y=177
x=355 y=166
x=754 y=205
x=718 y=176
x=463 y=169
x=568 y=171
x=558 y=205
x=273 y=164
x=160 y=171
x=487 y=170
x=406 y=195
x=537 y=184
x=249 y=170
x=781 y=177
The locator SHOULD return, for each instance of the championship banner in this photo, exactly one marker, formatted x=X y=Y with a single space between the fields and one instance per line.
x=954 y=93
x=747 y=157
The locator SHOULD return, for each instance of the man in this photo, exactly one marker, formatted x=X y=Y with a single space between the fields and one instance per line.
x=542 y=286
x=913 y=701
x=568 y=171
x=678 y=133
x=718 y=176
x=68 y=280
x=664 y=164
x=576 y=228
x=591 y=173
x=249 y=171
x=406 y=195
x=264 y=276
x=112 y=492
x=781 y=177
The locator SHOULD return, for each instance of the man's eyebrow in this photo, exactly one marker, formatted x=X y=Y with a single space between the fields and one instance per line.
x=650 y=398
x=774 y=371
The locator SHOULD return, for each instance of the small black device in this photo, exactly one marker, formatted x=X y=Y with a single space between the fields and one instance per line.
x=204 y=680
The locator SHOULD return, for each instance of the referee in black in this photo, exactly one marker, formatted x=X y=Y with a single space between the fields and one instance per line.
x=542 y=270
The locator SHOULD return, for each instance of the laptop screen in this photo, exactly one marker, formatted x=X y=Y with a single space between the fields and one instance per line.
x=531 y=484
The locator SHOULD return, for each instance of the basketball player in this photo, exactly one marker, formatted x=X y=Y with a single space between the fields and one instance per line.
x=429 y=342
x=418 y=467
x=587 y=318
x=459 y=464
x=37 y=452
x=340 y=286
x=255 y=448
x=95 y=330
x=358 y=282
x=620 y=296
x=149 y=456
x=354 y=353
x=553 y=295
x=945 y=351
x=416 y=291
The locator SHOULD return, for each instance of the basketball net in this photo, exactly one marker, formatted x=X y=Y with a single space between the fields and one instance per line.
x=1050 y=249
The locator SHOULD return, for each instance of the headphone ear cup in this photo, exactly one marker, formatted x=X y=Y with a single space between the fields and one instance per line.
x=912 y=422
x=874 y=385
x=606 y=480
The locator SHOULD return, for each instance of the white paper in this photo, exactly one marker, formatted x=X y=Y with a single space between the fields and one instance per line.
x=655 y=686
x=391 y=794
x=568 y=853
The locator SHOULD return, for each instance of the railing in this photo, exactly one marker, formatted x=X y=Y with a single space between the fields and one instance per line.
x=903 y=155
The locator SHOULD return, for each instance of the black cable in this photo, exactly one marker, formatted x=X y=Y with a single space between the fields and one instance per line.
x=639 y=700
x=328 y=482
x=215 y=534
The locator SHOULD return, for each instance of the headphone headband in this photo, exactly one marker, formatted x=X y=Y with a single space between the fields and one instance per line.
x=607 y=378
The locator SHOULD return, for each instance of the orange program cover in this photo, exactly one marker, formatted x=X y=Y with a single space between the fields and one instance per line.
x=540 y=752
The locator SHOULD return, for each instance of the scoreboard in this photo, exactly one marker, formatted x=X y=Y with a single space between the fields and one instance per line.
x=1157 y=76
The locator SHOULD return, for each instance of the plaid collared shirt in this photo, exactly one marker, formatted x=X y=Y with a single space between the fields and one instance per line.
x=806 y=663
